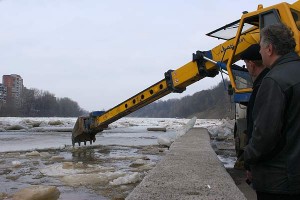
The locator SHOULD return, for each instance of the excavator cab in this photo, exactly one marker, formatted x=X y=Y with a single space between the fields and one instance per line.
x=250 y=24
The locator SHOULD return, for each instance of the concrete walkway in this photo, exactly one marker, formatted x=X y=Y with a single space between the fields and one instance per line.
x=191 y=170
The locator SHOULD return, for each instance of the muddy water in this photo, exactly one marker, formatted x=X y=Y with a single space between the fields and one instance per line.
x=91 y=172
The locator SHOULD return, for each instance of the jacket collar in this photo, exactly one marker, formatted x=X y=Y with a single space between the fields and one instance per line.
x=260 y=77
x=292 y=56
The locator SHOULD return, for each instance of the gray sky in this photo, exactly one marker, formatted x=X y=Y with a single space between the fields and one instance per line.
x=99 y=53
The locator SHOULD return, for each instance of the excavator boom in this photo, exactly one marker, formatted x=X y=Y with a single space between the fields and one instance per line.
x=204 y=64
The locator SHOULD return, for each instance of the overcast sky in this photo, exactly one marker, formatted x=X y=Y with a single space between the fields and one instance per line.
x=99 y=53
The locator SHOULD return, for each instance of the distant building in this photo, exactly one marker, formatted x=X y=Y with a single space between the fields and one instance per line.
x=14 y=88
x=2 y=94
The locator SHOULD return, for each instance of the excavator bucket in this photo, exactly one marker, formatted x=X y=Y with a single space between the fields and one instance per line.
x=81 y=132
x=86 y=128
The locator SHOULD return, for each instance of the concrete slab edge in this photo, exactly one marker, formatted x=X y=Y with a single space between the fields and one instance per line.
x=190 y=170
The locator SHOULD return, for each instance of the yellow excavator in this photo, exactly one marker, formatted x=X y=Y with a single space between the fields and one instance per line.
x=237 y=36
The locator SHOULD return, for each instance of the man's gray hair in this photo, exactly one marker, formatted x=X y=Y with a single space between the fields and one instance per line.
x=280 y=37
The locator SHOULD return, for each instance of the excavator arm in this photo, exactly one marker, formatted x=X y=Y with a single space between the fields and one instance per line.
x=175 y=81
x=238 y=36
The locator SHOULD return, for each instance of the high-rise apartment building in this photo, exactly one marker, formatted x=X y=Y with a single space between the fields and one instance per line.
x=2 y=94
x=14 y=88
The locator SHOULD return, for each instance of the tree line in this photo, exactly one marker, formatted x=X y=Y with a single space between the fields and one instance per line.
x=39 y=103
x=214 y=103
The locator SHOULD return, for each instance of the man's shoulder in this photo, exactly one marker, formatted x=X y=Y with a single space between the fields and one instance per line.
x=285 y=74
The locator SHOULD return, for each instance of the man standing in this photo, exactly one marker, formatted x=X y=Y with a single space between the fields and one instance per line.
x=273 y=152
x=257 y=71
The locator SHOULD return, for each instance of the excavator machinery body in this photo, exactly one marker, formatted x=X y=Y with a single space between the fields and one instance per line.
x=237 y=36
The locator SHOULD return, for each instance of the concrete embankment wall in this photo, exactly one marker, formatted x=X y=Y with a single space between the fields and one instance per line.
x=190 y=170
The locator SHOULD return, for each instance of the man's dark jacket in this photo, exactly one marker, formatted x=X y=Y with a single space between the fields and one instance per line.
x=274 y=149
x=256 y=85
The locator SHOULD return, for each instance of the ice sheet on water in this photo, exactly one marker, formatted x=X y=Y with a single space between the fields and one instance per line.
x=167 y=140
x=80 y=174
x=92 y=179
x=69 y=168
x=16 y=163
x=52 y=129
x=223 y=128
x=50 y=124
x=37 y=192
x=227 y=161
x=55 y=132
x=129 y=178
x=45 y=124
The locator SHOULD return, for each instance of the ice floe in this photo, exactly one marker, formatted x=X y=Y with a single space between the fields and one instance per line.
x=129 y=178
x=37 y=192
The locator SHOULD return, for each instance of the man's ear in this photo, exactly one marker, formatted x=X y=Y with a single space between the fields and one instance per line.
x=251 y=63
x=270 y=50
x=253 y=67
